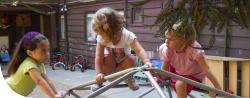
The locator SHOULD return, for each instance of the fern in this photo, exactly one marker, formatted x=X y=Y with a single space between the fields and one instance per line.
x=197 y=14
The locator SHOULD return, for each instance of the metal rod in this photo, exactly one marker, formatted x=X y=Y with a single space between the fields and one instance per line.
x=144 y=69
x=169 y=92
x=145 y=93
x=154 y=83
x=196 y=84
x=83 y=85
x=191 y=96
x=74 y=94
x=113 y=83
x=168 y=87
x=66 y=33
x=109 y=77
x=84 y=88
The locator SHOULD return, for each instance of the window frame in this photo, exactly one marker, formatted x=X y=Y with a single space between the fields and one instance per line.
x=86 y=27
x=133 y=15
x=64 y=25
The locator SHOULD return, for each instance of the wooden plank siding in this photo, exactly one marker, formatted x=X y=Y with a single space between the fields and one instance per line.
x=239 y=46
x=145 y=34
x=76 y=25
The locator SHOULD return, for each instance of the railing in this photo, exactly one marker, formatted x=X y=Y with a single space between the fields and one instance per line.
x=123 y=75
x=232 y=73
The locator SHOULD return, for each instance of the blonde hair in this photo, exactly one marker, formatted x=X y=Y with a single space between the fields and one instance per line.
x=107 y=20
x=188 y=36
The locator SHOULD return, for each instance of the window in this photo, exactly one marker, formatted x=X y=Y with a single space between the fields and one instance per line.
x=91 y=36
x=137 y=15
x=62 y=33
x=121 y=12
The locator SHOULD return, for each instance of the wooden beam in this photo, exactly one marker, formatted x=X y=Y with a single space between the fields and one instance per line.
x=31 y=3
x=245 y=75
x=233 y=76
x=225 y=58
x=217 y=68
x=42 y=24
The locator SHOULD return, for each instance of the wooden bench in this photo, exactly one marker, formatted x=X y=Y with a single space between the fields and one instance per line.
x=217 y=66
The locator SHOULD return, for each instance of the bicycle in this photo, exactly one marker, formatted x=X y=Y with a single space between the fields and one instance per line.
x=80 y=62
x=58 y=60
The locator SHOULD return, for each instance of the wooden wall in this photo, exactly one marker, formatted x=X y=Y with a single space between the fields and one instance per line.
x=238 y=47
x=238 y=44
x=77 y=31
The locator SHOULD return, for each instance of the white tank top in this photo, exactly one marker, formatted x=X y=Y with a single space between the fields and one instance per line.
x=127 y=38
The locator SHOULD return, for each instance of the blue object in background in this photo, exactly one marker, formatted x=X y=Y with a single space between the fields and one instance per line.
x=157 y=63
x=5 y=57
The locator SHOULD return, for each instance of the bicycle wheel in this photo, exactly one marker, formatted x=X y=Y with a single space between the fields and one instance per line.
x=72 y=68
x=66 y=67
x=82 y=69
x=53 y=67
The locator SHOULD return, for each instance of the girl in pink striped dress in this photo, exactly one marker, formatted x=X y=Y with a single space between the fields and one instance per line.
x=180 y=55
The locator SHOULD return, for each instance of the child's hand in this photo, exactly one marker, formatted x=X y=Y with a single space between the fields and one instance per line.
x=163 y=77
x=60 y=94
x=149 y=64
x=212 y=94
x=99 y=78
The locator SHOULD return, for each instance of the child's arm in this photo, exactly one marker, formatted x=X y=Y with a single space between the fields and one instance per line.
x=41 y=82
x=140 y=52
x=99 y=56
x=202 y=63
x=164 y=66
x=50 y=83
